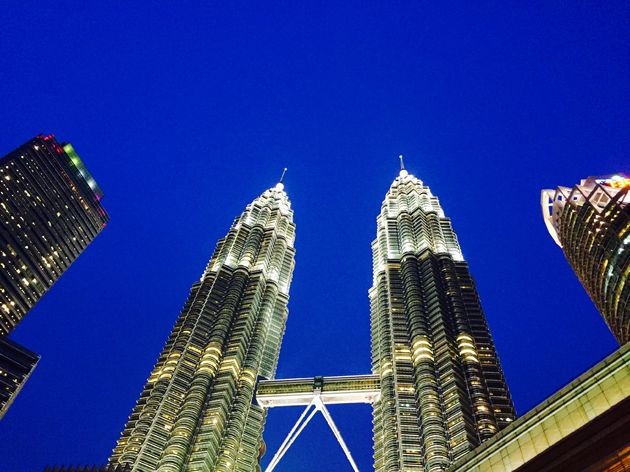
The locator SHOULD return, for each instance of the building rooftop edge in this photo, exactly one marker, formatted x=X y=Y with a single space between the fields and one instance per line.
x=616 y=361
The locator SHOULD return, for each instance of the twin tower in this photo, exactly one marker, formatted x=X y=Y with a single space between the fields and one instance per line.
x=442 y=390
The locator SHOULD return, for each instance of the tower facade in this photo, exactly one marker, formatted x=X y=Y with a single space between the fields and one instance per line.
x=196 y=411
x=442 y=388
x=50 y=211
x=591 y=223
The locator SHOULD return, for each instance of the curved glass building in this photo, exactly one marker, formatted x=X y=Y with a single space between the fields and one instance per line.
x=591 y=223
x=196 y=411
x=442 y=388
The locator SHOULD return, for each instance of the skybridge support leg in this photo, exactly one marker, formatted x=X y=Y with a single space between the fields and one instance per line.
x=337 y=434
x=315 y=406
x=293 y=434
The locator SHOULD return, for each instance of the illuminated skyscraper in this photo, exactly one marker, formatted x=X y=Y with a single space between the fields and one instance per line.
x=50 y=211
x=196 y=411
x=442 y=388
x=591 y=223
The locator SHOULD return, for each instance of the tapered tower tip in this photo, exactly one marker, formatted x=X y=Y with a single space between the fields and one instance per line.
x=403 y=171
x=280 y=184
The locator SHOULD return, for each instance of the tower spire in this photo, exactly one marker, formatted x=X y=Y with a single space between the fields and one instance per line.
x=280 y=184
x=403 y=171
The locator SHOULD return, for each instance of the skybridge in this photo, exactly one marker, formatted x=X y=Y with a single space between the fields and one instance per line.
x=316 y=393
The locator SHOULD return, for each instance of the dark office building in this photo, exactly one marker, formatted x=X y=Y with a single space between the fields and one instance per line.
x=49 y=212
x=591 y=223
x=16 y=365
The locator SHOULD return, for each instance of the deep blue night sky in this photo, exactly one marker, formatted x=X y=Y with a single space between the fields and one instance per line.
x=185 y=113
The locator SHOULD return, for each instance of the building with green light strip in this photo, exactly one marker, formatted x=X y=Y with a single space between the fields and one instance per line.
x=442 y=388
x=50 y=211
x=591 y=223
x=196 y=412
